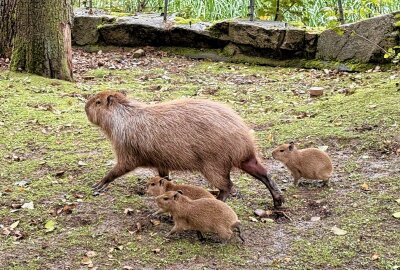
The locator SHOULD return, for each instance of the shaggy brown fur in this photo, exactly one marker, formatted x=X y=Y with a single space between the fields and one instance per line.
x=158 y=185
x=186 y=134
x=310 y=163
x=202 y=215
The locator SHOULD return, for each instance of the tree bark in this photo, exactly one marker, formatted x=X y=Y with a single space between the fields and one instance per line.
x=7 y=26
x=42 y=42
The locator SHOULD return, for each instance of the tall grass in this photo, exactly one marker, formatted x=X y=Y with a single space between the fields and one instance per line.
x=311 y=13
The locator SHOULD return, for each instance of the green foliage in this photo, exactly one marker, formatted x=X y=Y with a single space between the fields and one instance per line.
x=393 y=54
x=306 y=12
x=268 y=9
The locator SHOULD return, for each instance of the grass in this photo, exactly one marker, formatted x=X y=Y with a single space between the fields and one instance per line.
x=44 y=130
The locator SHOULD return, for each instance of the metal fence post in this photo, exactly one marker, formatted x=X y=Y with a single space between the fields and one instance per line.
x=251 y=7
x=165 y=10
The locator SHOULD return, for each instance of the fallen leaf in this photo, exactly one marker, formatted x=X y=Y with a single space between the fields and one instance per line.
x=396 y=215
x=156 y=250
x=127 y=267
x=338 y=231
x=86 y=261
x=91 y=254
x=323 y=148
x=128 y=211
x=365 y=187
x=259 y=212
x=315 y=219
x=28 y=205
x=14 y=225
x=81 y=163
x=375 y=257
x=22 y=183
x=398 y=201
x=155 y=222
x=59 y=173
x=50 y=225
x=267 y=220
x=270 y=138
x=253 y=219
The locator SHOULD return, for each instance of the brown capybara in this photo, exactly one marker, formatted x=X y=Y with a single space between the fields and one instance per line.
x=202 y=215
x=158 y=185
x=310 y=163
x=185 y=134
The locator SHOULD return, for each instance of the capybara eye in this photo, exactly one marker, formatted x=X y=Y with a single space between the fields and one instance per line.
x=282 y=150
x=165 y=199
x=152 y=184
x=98 y=102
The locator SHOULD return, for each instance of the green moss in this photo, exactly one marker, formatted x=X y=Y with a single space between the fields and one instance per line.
x=50 y=132
x=180 y=20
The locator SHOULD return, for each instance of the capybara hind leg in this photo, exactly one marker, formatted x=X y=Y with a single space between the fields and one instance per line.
x=220 y=180
x=115 y=172
x=225 y=234
x=253 y=167
x=239 y=231
x=326 y=182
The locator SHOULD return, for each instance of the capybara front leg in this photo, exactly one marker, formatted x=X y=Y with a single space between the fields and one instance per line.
x=220 y=180
x=164 y=173
x=115 y=172
x=253 y=167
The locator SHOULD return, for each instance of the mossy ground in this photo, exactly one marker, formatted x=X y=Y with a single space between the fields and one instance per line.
x=44 y=130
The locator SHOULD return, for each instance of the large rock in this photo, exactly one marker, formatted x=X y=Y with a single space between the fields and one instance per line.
x=360 y=42
x=149 y=29
x=277 y=38
x=85 y=29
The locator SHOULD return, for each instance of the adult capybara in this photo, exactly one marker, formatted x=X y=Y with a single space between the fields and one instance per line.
x=185 y=134
x=310 y=163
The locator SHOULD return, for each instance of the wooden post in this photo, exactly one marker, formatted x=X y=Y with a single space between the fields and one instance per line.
x=251 y=13
x=165 y=10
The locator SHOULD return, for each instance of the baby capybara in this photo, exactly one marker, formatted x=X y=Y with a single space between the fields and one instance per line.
x=310 y=163
x=158 y=185
x=202 y=215
x=185 y=134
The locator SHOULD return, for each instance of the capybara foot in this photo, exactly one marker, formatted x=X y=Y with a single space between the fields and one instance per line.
x=100 y=187
x=278 y=201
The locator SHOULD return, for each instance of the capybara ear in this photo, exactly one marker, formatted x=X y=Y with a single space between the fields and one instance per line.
x=291 y=146
x=177 y=194
x=162 y=181
x=110 y=99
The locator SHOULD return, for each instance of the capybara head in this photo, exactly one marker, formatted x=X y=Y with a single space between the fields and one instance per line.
x=168 y=200
x=102 y=105
x=156 y=186
x=284 y=152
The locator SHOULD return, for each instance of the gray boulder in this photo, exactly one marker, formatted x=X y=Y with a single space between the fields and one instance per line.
x=277 y=38
x=362 y=41
x=149 y=29
x=85 y=29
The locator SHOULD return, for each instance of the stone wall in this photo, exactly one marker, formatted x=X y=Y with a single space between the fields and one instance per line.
x=363 y=42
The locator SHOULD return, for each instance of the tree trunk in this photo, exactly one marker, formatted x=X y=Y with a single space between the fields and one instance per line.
x=42 y=42
x=7 y=26
x=340 y=8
